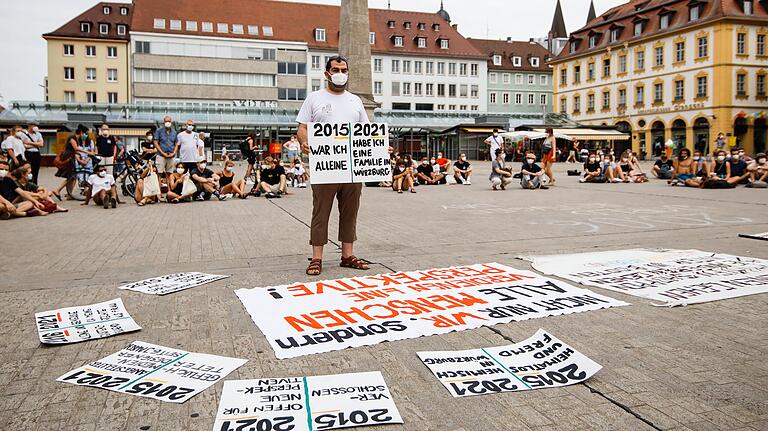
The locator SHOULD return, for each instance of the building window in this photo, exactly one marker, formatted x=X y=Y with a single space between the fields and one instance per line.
x=320 y=34
x=443 y=43
x=142 y=47
x=741 y=43
x=531 y=79
x=658 y=93
x=593 y=40
x=639 y=95
x=622 y=97
x=316 y=63
x=760 y=45
x=606 y=68
x=267 y=30
x=497 y=60
x=112 y=75
x=252 y=29
x=90 y=74
x=316 y=84
x=378 y=88
x=452 y=69
x=237 y=28
x=576 y=74
x=69 y=50
x=291 y=93
x=291 y=68
x=679 y=90
x=430 y=89
x=85 y=27
x=741 y=84
x=590 y=71
x=659 y=56
x=474 y=91
x=378 y=64
x=640 y=60
x=398 y=41
x=543 y=80
x=505 y=78
x=622 y=64
x=417 y=67
x=451 y=90
x=175 y=24
x=421 y=42
x=701 y=86
x=535 y=61
x=493 y=77
x=372 y=38
x=664 y=21
x=395 y=88
x=576 y=104
x=441 y=68
x=590 y=103
x=563 y=76
x=417 y=89
x=606 y=100
x=694 y=12
x=638 y=28
x=440 y=90
x=107 y=10
x=104 y=28
x=518 y=98
x=542 y=99
x=463 y=69
x=124 y=11
x=69 y=73
x=747 y=7
x=563 y=105
x=615 y=34
x=395 y=66
x=761 y=85
x=112 y=97
x=679 y=52
x=406 y=66
x=492 y=97
x=90 y=51
x=69 y=96
x=406 y=88
x=121 y=30
x=90 y=96
x=531 y=99
x=430 y=70
x=222 y=28
x=703 y=44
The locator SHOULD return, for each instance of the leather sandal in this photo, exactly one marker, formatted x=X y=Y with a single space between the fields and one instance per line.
x=354 y=263
x=315 y=267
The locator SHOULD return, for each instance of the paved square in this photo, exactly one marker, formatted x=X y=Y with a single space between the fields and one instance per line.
x=699 y=367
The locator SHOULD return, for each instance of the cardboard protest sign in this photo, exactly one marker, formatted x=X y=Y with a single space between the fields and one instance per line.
x=87 y=322
x=306 y=318
x=675 y=277
x=152 y=371
x=542 y=361
x=763 y=236
x=349 y=153
x=172 y=282
x=306 y=403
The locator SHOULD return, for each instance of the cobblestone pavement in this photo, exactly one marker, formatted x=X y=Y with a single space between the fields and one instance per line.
x=698 y=367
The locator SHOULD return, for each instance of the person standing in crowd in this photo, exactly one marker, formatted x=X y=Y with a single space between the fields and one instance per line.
x=101 y=188
x=149 y=148
x=402 y=178
x=165 y=143
x=720 y=142
x=549 y=154
x=494 y=143
x=531 y=174
x=65 y=161
x=292 y=148
x=572 y=152
x=14 y=147
x=500 y=176
x=33 y=141
x=229 y=186
x=83 y=157
x=106 y=147
x=333 y=104
x=462 y=170
x=119 y=156
x=189 y=147
x=250 y=154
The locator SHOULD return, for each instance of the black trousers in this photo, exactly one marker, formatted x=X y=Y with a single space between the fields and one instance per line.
x=33 y=157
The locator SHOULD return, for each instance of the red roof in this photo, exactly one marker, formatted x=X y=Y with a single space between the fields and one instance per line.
x=626 y=14
x=96 y=16
x=282 y=17
x=509 y=49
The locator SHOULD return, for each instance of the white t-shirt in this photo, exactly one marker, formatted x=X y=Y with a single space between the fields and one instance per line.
x=188 y=146
x=323 y=107
x=35 y=137
x=14 y=143
x=297 y=170
x=98 y=183
x=293 y=145
x=496 y=142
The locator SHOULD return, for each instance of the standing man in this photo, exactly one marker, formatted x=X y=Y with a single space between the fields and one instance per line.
x=333 y=104
x=496 y=142
x=106 y=148
x=33 y=141
x=189 y=147
x=165 y=143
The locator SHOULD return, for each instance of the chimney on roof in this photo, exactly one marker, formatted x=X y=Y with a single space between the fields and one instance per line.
x=509 y=38
x=455 y=27
x=531 y=41
x=591 y=14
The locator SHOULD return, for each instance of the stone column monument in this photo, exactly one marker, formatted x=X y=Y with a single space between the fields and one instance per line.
x=354 y=45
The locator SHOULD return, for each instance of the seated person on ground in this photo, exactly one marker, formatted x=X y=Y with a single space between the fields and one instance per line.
x=462 y=170
x=206 y=181
x=438 y=171
x=143 y=197
x=531 y=174
x=623 y=168
x=176 y=185
x=759 y=168
x=101 y=188
x=444 y=164
x=500 y=176
x=684 y=167
x=426 y=174
x=636 y=173
x=229 y=185
x=23 y=203
x=298 y=175
x=593 y=172
x=402 y=177
x=739 y=173
x=273 y=179
x=609 y=168
x=663 y=168
x=720 y=167
x=700 y=170
x=24 y=176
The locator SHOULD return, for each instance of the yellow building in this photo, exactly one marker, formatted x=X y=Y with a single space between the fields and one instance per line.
x=88 y=57
x=682 y=70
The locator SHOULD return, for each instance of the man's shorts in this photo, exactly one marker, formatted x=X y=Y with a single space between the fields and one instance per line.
x=165 y=164
x=274 y=187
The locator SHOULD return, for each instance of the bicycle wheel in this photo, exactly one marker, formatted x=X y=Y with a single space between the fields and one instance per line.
x=129 y=184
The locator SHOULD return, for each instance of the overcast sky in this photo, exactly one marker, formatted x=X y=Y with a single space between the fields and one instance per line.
x=23 y=49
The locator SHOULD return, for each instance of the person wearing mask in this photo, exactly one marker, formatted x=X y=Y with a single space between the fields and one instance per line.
x=84 y=157
x=402 y=178
x=531 y=174
x=426 y=173
x=462 y=170
x=165 y=142
x=176 y=182
x=149 y=148
x=292 y=148
x=720 y=168
x=739 y=173
x=549 y=154
x=22 y=203
x=758 y=169
x=720 y=142
x=228 y=184
x=444 y=163
x=33 y=141
x=333 y=104
x=700 y=170
x=438 y=173
x=206 y=181
x=494 y=142
x=24 y=176
x=106 y=147
x=608 y=167
x=14 y=147
x=273 y=179
x=500 y=176
x=664 y=168
x=147 y=181
x=101 y=188
x=298 y=175
x=190 y=149
x=593 y=171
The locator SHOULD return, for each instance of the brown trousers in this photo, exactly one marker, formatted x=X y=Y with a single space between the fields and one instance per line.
x=348 y=196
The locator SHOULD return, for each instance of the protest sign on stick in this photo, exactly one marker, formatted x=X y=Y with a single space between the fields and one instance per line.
x=349 y=153
x=87 y=322
x=172 y=283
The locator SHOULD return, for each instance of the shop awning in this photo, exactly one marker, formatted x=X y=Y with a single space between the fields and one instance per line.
x=118 y=131
x=479 y=129
x=591 y=134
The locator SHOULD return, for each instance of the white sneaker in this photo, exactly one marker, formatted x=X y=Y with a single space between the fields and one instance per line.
x=582 y=180
x=616 y=180
x=461 y=180
x=467 y=182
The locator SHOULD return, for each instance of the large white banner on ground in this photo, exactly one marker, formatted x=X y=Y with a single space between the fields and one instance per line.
x=306 y=318
x=763 y=236
x=172 y=282
x=675 y=277
x=87 y=322
x=152 y=371
x=349 y=153
x=306 y=403
x=542 y=361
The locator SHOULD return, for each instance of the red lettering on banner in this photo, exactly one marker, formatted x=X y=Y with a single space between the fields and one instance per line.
x=446 y=322
x=393 y=313
x=354 y=310
x=491 y=270
x=384 y=279
x=301 y=288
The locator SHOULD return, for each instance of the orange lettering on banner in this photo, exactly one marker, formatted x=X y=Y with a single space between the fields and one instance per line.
x=301 y=288
x=372 y=294
x=446 y=322
x=385 y=280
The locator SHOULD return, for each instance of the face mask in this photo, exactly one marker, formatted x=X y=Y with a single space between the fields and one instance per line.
x=402 y=168
x=761 y=161
x=432 y=161
x=84 y=136
x=102 y=174
x=203 y=166
x=721 y=158
x=592 y=160
x=696 y=158
x=149 y=138
x=190 y=127
x=339 y=79
x=3 y=173
x=179 y=170
x=29 y=177
x=425 y=162
x=531 y=161
x=735 y=157
x=167 y=124
x=35 y=129
x=264 y=166
x=230 y=168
